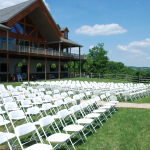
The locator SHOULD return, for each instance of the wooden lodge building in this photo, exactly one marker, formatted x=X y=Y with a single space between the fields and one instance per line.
x=29 y=34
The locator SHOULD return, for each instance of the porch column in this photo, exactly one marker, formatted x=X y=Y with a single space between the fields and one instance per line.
x=86 y=68
x=59 y=48
x=7 y=40
x=74 y=68
x=59 y=70
x=7 y=67
x=28 y=68
x=79 y=63
x=70 y=61
x=45 y=68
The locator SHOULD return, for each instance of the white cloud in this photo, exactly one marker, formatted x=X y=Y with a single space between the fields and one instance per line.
x=136 y=47
x=74 y=50
x=91 y=47
x=8 y=3
x=97 y=29
x=147 y=57
x=109 y=52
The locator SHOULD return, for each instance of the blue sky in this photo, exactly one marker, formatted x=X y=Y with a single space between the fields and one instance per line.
x=122 y=25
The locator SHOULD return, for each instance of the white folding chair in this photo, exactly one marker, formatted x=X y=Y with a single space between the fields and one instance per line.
x=30 y=128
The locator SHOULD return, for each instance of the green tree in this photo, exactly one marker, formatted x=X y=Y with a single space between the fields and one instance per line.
x=97 y=59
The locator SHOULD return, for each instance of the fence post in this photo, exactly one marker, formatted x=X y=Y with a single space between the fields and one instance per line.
x=99 y=75
x=84 y=74
x=126 y=77
x=139 y=79
x=91 y=75
x=75 y=74
x=107 y=75
x=116 y=76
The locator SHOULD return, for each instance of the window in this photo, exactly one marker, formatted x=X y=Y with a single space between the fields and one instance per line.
x=35 y=44
x=39 y=36
x=50 y=47
x=54 y=69
x=13 y=30
x=63 y=69
x=28 y=20
x=64 y=50
x=41 y=69
x=29 y=29
x=66 y=34
x=41 y=45
x=3 y=67
x=20 y=27
x=33 y=34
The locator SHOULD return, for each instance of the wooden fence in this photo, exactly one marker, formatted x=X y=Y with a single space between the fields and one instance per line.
x=131 y=78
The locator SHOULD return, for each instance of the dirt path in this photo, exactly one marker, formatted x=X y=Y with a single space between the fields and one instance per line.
x=130 y=105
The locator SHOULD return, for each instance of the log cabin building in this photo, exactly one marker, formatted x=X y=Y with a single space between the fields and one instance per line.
x=29 y=34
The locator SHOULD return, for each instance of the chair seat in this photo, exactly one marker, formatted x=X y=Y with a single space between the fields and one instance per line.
x=4 y=122
x=13 y=109
x=58 y=137
x=37 y=122
x=39 y=147
x=84 y=121
x=19 y=118
x=26 y=106
x=10 y=135
x=92 y=115
x=106 y=107
x=56 y=116
x=73 y=128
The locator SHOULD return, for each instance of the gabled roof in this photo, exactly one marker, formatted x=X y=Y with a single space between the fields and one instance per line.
x=7 y=13
x=3 y=27
x=63 y=29
x=71 y=43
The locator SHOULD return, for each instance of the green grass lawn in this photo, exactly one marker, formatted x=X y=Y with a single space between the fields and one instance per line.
x=128 y=129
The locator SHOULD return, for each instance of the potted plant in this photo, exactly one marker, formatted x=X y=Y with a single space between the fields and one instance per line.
x=19 y=64
x=53 y=65
x=39 y=65
x=65 y=66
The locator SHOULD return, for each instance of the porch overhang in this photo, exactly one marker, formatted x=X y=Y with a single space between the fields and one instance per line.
x=3 y=27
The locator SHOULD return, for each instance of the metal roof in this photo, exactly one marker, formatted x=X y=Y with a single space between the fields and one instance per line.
x=3 y=27
x=7 y=13
x=71 y=43
x=63 y=29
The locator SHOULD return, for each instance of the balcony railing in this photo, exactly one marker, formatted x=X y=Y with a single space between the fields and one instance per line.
x=33 y=50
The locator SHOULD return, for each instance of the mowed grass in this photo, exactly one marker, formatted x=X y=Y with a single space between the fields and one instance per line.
x=128 y=129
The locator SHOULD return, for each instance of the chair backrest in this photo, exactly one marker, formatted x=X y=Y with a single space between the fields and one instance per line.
x=47 y=106
x=33 y=110
x=63 y=113
x=25 y=102
x=26 y=92
x=21 y=97
x=8 y=99
x=76 y=97
x=15 y=93
x=16 y=114
x=3 y=95
x=1 y=119
x=48 y=92
x=58 y=103
x=10 y=105
x=41 y=94
x=3 y=137
x=37 y=99
x=24 y=129
x=32 y=95
x=75 y=108
x=46 y=121
x=83 y=105
x=47 y=97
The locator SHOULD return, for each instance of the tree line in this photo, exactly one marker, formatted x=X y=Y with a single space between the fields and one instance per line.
x=98 y=62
